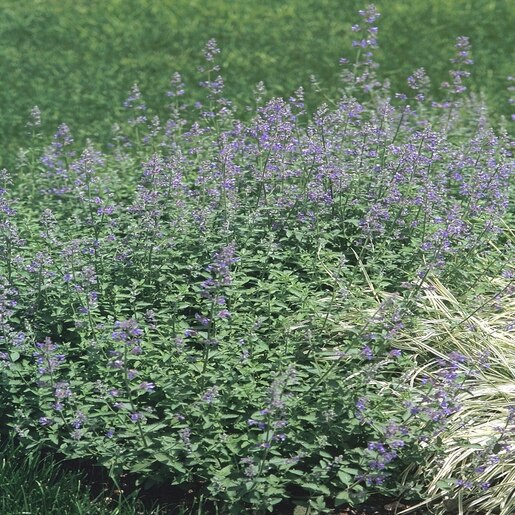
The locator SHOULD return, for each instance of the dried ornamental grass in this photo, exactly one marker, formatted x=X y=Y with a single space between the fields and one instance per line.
x=475 y=470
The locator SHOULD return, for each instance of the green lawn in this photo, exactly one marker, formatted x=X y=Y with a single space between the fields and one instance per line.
x=77 y=60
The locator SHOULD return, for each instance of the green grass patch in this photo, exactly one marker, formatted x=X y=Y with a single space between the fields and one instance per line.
x=34 y=483
x=78 y=60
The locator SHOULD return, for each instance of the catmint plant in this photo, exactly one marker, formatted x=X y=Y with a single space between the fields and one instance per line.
x=223 y=305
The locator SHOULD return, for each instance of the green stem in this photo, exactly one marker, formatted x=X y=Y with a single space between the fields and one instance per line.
x=129 y=394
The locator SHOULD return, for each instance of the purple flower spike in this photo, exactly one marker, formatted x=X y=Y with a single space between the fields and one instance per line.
x=367 y=353
x=147 y=386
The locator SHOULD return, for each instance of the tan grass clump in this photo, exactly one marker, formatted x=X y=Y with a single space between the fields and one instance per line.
x=478 y=444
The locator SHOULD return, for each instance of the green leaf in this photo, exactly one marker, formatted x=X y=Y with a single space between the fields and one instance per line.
x=345 y=478
x=163 y=458
x=142 y=466
x=317 y=488
x=342 y=497
x=446 y=484
x=178 y=466
x=349 y=470
x=226 y=471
